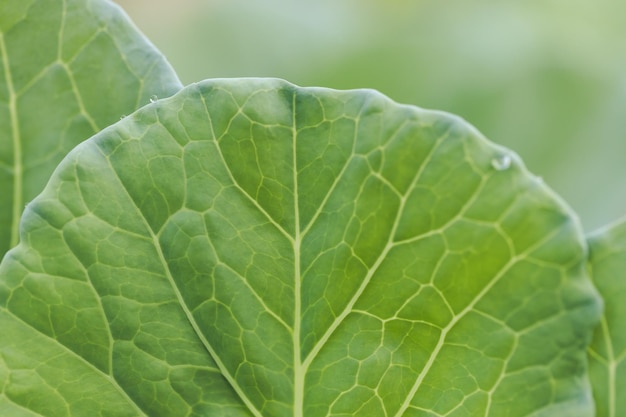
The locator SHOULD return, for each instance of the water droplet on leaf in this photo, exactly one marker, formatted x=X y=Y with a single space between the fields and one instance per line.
x=122 y=117
x=153 y=98
x=501 y=162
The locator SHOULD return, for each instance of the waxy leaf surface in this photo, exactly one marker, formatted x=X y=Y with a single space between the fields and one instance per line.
x=68 y=68
x=607 y=353
x=252 y=248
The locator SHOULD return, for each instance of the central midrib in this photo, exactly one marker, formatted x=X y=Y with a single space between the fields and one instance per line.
x=298 y=368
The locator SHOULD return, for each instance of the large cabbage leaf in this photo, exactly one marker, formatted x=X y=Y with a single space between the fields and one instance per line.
x=251 y=248
x=68 y=68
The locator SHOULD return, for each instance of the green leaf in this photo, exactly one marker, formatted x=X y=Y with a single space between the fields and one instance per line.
x=251 y=248
x=607 y=353
x=68 y=68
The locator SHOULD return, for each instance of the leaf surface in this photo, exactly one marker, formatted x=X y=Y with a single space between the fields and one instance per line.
x=607 y=352
x=68 y=68
x=252 y=248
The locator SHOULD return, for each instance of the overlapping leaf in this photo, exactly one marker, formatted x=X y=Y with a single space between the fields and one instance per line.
x=68 y=68
x=608 y=351
x=251 y=248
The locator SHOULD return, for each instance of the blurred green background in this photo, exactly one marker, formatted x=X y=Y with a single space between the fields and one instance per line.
x=544 y=78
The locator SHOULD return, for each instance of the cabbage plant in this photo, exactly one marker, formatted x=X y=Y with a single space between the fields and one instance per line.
x=248 y=247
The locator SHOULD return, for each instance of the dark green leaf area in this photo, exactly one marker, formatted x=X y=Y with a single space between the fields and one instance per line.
x=252 y=248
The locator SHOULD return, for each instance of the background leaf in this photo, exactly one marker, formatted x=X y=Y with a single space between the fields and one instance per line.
x=68 y=68
x=251 y=248
x=607 y=352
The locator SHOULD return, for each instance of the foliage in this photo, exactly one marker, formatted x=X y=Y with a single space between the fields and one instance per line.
x=607 y=261
x=248 y=247
x=68 y=70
